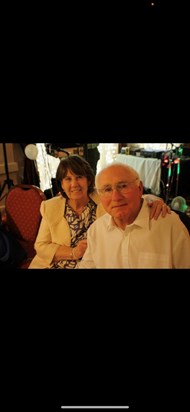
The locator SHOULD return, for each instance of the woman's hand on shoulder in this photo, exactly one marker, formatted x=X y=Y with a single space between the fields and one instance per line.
x=158 y=207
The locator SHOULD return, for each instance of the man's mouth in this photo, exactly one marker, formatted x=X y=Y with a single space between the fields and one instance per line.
x=120 y=205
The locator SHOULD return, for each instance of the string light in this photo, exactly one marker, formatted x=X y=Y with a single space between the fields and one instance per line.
x=108 y=153
x=47 y=166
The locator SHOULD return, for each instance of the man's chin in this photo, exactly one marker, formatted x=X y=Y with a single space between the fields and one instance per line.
x=120 y=209
x=119 y=214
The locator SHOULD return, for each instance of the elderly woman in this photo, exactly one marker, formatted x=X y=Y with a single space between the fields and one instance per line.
x=61 y=240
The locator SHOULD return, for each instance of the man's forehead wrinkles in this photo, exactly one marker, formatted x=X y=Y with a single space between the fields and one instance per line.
x=117 y=182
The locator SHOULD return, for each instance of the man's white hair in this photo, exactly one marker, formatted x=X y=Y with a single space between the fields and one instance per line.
x=133 y=173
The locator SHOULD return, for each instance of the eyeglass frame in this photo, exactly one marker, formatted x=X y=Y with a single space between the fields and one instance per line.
x=117 y=187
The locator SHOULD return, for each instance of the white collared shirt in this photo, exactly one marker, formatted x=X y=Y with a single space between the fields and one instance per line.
x=161 y=243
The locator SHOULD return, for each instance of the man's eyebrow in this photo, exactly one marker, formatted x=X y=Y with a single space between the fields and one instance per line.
x=104 y=186
x=109 y=184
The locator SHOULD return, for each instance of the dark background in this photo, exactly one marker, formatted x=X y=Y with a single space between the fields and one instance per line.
x=95 y=338
x=107 y=74
x=97 y=72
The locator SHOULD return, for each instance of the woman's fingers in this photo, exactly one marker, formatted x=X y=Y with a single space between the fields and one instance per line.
x=158 y=208
x=165 y=209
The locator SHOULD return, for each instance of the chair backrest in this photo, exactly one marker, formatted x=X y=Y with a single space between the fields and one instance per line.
x=22 y=208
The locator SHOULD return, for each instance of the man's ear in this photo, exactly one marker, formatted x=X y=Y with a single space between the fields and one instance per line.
x=141 y=187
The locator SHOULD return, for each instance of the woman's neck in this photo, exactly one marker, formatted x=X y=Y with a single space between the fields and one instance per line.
x=78 y=204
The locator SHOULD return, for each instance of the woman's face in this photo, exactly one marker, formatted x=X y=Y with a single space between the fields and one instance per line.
x=75 y=186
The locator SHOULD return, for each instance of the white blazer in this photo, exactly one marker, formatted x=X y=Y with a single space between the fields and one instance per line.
x=54 y=230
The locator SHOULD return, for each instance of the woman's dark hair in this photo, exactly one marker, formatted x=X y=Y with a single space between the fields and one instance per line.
x=78 y=166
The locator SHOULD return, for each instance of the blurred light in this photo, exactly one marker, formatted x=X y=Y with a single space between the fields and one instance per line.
x=108 y=153
x=47 y=166
x=31 y=151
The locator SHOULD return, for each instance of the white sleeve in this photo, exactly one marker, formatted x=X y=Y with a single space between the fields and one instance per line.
x=86 y=262
x=181 y=245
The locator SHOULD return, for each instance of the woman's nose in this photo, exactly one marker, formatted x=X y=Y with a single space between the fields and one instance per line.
x=74 y=182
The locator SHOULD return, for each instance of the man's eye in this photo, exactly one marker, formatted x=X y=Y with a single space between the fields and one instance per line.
x=107 y=189
x=123 y=185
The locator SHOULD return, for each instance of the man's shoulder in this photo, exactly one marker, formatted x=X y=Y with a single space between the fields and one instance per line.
x=171 y=220
x=181 y=219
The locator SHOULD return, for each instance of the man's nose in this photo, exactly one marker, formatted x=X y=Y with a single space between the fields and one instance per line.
x=116 y=194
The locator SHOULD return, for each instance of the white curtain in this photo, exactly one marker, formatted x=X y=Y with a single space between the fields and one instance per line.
x=108 y=153
x=47 y=166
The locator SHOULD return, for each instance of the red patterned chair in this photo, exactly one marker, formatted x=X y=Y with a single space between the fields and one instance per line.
x=22 y=216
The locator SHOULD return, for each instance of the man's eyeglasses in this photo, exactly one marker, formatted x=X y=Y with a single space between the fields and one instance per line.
x=123 y=188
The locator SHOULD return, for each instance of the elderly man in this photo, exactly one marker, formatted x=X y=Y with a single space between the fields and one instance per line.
x=125 y=237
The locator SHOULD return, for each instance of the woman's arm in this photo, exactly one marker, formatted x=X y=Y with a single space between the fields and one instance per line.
x=44 y=247
x=69 y=253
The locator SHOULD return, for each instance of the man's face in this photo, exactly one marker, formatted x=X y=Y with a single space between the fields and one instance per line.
x=124 y=204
